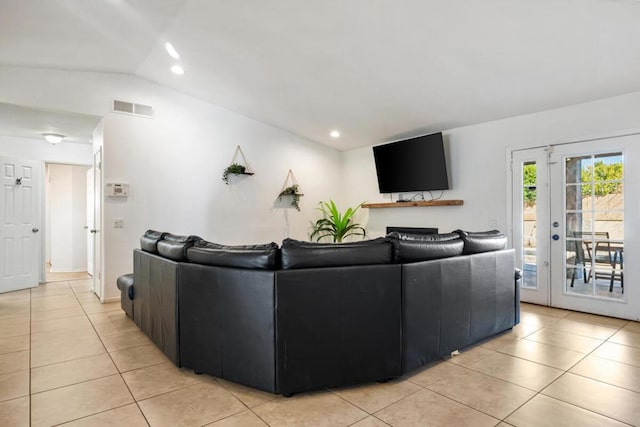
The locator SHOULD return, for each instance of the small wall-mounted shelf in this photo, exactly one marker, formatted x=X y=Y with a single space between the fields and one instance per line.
x=414 y=204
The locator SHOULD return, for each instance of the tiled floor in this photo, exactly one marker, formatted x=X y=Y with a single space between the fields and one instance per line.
x=66 y=358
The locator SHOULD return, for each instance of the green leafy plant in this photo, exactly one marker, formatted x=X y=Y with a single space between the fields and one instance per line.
x=336 y=225
x=233 y=168
x=294 y=192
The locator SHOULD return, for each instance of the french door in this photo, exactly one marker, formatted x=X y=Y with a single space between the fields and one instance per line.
x=575 y=206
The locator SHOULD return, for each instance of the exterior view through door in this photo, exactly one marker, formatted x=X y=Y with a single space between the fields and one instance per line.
x=569 y=222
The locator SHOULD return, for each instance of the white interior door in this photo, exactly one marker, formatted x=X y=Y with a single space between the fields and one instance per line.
x=531 y=222
x=20 y=250
x=97 y=221
x=594 y=199
x=90 y=224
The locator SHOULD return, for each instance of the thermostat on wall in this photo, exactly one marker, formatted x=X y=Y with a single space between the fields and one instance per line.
x=117 y=190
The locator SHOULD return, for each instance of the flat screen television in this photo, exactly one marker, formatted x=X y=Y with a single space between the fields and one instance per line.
x=416 y=164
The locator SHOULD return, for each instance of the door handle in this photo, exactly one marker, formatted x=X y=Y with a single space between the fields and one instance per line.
x=93 y=231
x=35 y=230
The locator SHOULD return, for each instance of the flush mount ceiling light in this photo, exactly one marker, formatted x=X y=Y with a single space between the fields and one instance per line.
x=334 y=134
x=53 y=138
x=176 y=69
x=171 y=50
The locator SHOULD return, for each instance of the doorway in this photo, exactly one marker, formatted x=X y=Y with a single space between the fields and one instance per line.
x=65 y=216
x=571 y=225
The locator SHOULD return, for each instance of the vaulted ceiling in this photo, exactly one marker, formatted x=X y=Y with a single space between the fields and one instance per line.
x=376 y=70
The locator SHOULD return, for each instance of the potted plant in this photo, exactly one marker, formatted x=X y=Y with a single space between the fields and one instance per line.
x=294 y=192
x=235 y=169
x=336 y=225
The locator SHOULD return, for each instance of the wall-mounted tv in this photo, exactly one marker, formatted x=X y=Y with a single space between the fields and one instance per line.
x=416 y=164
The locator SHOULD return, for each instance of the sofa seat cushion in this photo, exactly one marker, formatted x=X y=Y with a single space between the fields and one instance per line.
x=175 y=247
x=482 y=241
x=149 y=241
x=261 y=257
x=299 y=254
x=125 y=285
x=409 y=247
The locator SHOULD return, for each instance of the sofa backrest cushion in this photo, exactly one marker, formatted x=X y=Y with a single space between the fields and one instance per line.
x=482 y=241
x=175 y=247
x=261 y=257
x=299 y=254
x=149 y=241
x=409 y=247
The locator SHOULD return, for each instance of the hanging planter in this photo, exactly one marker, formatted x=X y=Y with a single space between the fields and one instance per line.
x=237 y=167
x=291 y=189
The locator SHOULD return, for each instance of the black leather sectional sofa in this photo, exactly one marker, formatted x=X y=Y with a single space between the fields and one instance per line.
x=306 y=316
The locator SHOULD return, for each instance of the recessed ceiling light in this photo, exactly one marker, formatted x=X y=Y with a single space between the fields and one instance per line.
x=171 y=50
x=53 y=138
x=176 y=69
x=334 y=134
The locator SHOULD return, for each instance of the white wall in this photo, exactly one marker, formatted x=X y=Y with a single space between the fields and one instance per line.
x=39 y=149
x=66 y=196
x=174 y=162
x=477 y=164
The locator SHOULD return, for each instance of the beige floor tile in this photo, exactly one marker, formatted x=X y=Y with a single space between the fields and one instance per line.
x=13 y=344
x=517 y=371
x=585 y=329
x=16 y=361
x=15 y=413
x=55 y=302
x=427 y=408
x=199 y=404
x=370 y=421
x=138 y=357
x=129 y=416
x=626 y=338
x=595 y=319
x=96 y=307
x=11 y=309
x=486 y=394
x=521 y=330
x=433 y=372
x=547 y=311
x=610 y=401
x=51 y=289
x=247 y=395
x=14 y=384
x=374 y=397
x=243 y=419
x=87 y=297
x=12 y=326
x=619 y=353
x=63 y=324
x=117 y=322
x=78 y=400
x=557 y=414
x=63 y=347
x=556 y=357
x=310 y=409
x=158 y=379
x=500 y=341
x=632 y=327
x=610 y=372
x=15 y=296
x=537 y=319
x=71 y=372
x=57 y=314
x=566 y=340
x=470 y=355
x=123 y=340
x=79 y=286
x=55 y=277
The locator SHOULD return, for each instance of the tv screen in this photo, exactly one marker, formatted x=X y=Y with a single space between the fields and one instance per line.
x=416 y=164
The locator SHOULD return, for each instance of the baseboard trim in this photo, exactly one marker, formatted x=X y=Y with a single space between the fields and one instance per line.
x=108 y=300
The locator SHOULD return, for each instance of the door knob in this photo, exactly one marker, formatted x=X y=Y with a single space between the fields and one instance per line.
x=555 y=237
x=35 y=230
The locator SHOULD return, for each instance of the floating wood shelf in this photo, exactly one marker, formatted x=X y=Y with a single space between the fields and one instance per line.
x=414 y=204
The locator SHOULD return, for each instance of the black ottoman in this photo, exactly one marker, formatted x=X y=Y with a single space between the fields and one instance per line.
x=125 y=284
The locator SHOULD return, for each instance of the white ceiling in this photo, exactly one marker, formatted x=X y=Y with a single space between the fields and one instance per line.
x=377 y=70
x=24 y=122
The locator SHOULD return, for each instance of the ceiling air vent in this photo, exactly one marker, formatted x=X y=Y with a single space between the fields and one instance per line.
x=125 y=107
